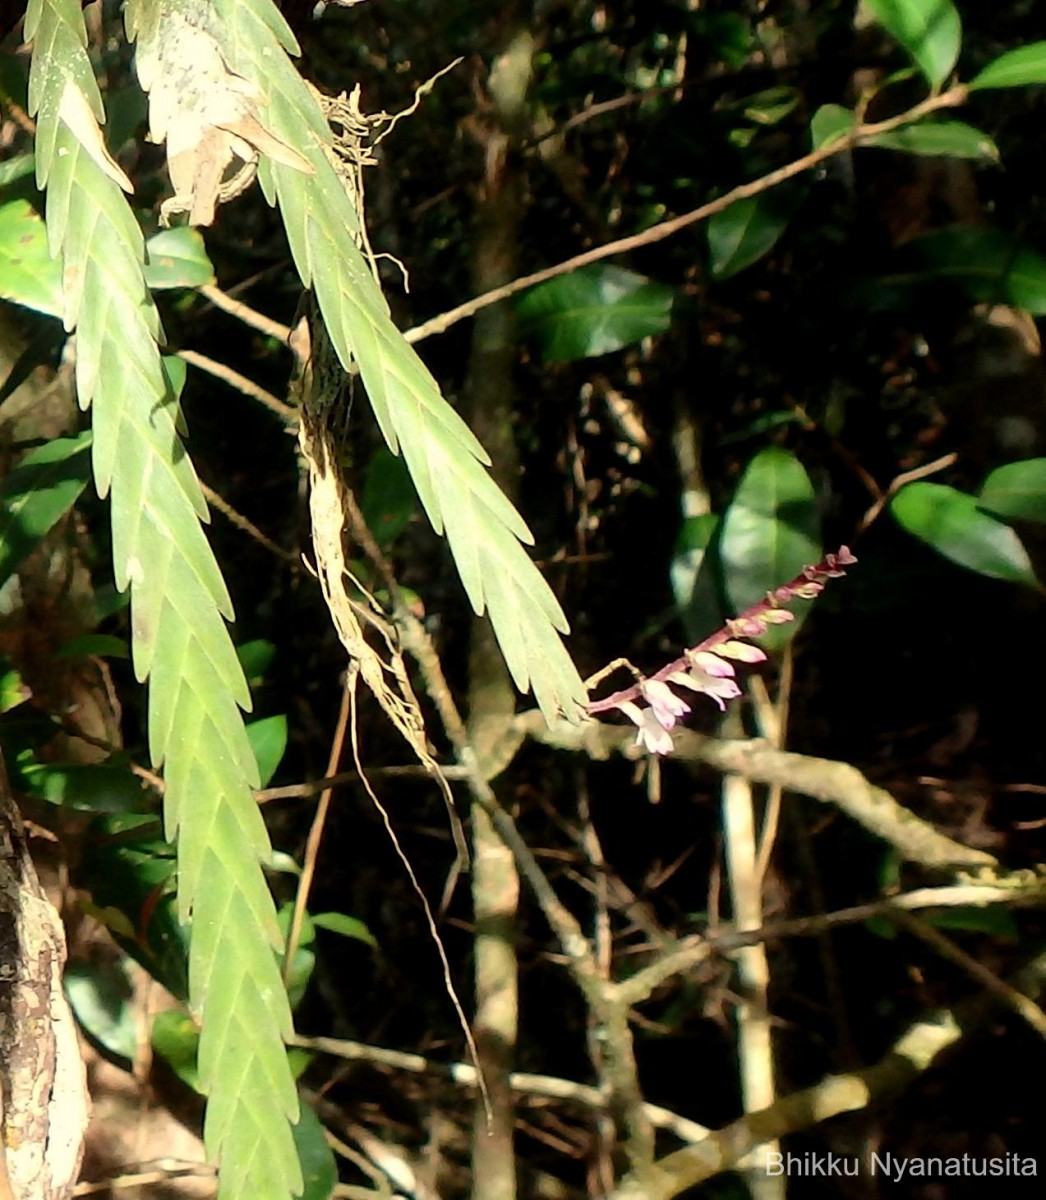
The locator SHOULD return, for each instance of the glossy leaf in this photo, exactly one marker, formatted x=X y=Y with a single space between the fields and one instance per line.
x=350 y=927
x=256 y=658
x=1016 y=491
x=1016 y=68
x=38 y=493
x=594 y=310
x=938 y=139
x=950 y=522
x=693 y=584
x=769 y=533
x=177 y=258
x=28 y=274
x=930 y=30
x=105 y=787
x=388 y=501
x=101 y=997
x=94 y=645
x=318 y=1167
x=831 y=121
x=741 y=234
x=268 y=739
x=991 y=266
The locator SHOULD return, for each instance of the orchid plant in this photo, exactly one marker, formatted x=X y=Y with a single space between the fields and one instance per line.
x=708 y=667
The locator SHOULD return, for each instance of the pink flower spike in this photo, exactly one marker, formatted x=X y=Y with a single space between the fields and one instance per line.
x=710 y=663
x=749 y=626
x=666 y=705
x=652 y=735
x=809 y=590
x=741 y=651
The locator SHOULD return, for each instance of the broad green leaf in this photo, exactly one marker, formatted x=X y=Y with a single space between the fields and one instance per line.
x=951 y=522
x=1016 y=491
x=693 y=584
x=930 y=30
x=28 y=274
x=268 y=739
x=944 y=139
x=256 y=658
x=94 y=645
x=446 y=463
x=318 y=1167
x=105 y=787
x=594 y=310
x=176 y=1039
x=991 y=266
x=830 y=122
x=350 y=927
x=1016 y=68
x=176 y=258
x=37 y=494
x=101 y=997
x=388 y=501
x=769 y=533
x=129 y=868
x=741 y=234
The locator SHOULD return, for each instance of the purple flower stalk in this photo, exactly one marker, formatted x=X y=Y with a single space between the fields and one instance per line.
x=707 y=667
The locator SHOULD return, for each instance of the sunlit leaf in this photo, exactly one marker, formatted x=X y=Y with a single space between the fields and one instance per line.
x=1016 y=491
x=769 y=533
x=944 y=139
x=930 y=30
x=830 y=122
x=950 y=522
x=177 y=258
x=1016 y=68
x=38 y=493
x=28 y=274
x=268 y=739
x=594 y=310
x=350 y=927
x=102 y=999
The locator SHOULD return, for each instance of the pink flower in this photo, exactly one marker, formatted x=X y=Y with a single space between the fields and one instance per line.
x=741 y=651
x=652 y=735
x=698 y=679
x=666 y=705
x=710 y=663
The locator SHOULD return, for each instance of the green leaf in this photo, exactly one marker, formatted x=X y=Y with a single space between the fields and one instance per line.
x=179 y=604
x=594 y=310
x=256 y=658
x=317 y=1159
x=445 y=461
x=101 y=997
x=15 y=168
x=830 y=122
x=741 y=234
x=13 y=690
x=350 y=927
x=176 y=258
x=991 y=919
x=268 y=739
x=944 y=139
x=388 y=501
x=693 y=586
x=1016 y=68
x=951 y=522
x=28 y=274
x=991 y=266
x=37 y=494
x=769 y=533
x=81 y=787
x=930 y=30
x=176 y=1039
x=1016 y=491
x=93 y=645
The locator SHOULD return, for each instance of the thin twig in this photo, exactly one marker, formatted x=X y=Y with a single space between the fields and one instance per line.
x=247 y=526
x=658 y=233
x=312 y=844
x=246 y=314
x=242 y=384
